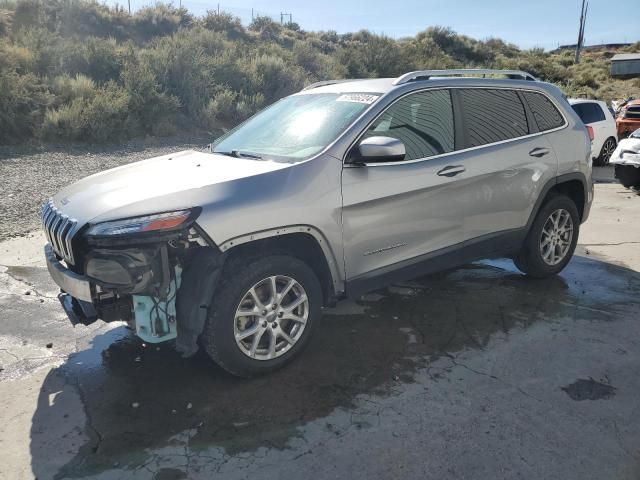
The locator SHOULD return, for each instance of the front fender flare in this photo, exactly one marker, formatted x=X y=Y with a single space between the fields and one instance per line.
x=336 y=279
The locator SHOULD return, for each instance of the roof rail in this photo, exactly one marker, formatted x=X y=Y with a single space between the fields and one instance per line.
x=328 y=82
x=427 y=74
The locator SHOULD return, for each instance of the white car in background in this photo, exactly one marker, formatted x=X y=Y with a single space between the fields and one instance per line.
x=626 y=160
x=596 y=114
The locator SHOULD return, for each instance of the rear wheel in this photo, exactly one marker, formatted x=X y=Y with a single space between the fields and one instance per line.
x=608 y=148
x=552 y=238
x=262 y=315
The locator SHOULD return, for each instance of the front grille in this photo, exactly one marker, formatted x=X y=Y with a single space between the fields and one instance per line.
x=60 y=230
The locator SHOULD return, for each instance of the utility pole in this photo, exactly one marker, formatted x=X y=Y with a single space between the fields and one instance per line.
x=583 y=21
x=129 y=7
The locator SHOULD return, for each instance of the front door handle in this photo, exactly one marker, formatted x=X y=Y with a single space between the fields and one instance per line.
x=451 y=171
x=538 y=152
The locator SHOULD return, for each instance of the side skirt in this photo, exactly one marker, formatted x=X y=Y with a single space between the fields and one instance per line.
x=496 y=245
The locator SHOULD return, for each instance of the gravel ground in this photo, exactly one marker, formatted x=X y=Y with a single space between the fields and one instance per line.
x=30 y=175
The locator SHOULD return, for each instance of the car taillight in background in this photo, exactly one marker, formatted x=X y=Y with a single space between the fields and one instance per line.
x=591 y=134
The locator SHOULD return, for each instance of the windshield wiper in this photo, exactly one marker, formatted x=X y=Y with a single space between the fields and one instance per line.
x=239 y=154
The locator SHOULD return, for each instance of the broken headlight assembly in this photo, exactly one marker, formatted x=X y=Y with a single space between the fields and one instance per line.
x=137 y=262
x=146 y=225
x=130 y=255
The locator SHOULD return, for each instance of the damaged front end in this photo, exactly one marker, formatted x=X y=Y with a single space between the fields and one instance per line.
x=156 y=272
x=626 y=160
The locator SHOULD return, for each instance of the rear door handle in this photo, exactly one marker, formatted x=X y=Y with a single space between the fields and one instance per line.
x=538 y=152
x=451 y=171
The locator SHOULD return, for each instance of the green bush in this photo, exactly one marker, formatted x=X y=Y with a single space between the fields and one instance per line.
x=101 y=118
x=23 y=100
x=80 y=70
x=159 y=21
x=276 y=79
x=67 y=88
x=225 y=23
x=6 y=19
x=150 y=109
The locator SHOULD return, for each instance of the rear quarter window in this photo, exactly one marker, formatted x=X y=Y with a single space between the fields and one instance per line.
x=544 y=111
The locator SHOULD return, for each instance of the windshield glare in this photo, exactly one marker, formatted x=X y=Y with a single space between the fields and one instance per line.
x=296 y=127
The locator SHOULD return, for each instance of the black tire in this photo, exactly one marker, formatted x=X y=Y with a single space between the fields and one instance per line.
x=629 y=176
x=607 y=149
x=218 y=338
x=530 y=260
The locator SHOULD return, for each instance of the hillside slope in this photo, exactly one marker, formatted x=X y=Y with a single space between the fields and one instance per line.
x=76 y=70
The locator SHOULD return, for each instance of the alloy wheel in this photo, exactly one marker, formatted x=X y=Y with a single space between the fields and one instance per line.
x=607 y=150
x=271 y=317
x=556 y=237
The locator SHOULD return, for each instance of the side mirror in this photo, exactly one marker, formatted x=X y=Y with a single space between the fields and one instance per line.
x=379 y=149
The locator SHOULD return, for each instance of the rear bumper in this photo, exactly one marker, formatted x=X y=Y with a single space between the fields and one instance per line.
x=76 y=285
x=626 y=126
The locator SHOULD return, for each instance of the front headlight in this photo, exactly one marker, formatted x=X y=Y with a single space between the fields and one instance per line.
x=167 y=221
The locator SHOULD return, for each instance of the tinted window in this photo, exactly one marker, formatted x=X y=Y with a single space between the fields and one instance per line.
x=422 y=121
x=545 y=113
x=492 y=116
x=589 y=112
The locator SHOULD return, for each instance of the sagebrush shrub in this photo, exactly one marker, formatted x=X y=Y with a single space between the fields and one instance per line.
x=81 y=70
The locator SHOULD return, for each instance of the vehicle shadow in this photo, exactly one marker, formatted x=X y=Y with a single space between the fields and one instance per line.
x=137 y=397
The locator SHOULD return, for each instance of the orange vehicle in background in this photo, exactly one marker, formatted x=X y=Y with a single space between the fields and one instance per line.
x=628 y=119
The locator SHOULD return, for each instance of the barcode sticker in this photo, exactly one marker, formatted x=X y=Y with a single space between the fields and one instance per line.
x=358 y=98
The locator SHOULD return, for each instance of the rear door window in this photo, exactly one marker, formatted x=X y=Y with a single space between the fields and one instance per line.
x=589 y=112
x=544 y=111
x=492 y=115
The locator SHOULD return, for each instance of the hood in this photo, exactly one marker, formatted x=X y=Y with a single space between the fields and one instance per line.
x=627 y=152
x=182 y=177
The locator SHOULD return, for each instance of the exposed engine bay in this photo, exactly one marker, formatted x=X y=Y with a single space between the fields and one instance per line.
x=154 y=284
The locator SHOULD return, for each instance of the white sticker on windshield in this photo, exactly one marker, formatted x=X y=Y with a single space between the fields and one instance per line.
x=358 y=98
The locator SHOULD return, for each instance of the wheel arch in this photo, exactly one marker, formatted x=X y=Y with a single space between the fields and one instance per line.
x=301 y=241
x=574 y=185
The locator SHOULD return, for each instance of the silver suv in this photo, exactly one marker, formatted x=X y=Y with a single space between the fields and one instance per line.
x=342 y=188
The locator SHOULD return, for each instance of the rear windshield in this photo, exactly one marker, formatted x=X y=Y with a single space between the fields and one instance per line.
x=589 y=112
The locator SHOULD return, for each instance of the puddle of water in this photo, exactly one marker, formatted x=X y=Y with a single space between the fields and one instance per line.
x=589 y=389
x=369 y=348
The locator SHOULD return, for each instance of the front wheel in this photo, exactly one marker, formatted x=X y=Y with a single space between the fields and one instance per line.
x=552 y=239
x=262 y=315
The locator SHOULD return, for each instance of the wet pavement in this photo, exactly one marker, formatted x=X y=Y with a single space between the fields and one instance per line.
x=478 y=372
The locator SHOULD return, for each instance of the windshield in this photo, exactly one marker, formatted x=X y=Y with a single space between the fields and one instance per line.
x=296 y=127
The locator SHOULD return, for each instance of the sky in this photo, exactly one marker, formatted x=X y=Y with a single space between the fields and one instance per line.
x=533 y=23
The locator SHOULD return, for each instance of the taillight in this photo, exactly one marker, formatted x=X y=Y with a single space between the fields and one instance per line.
x=591 y=134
